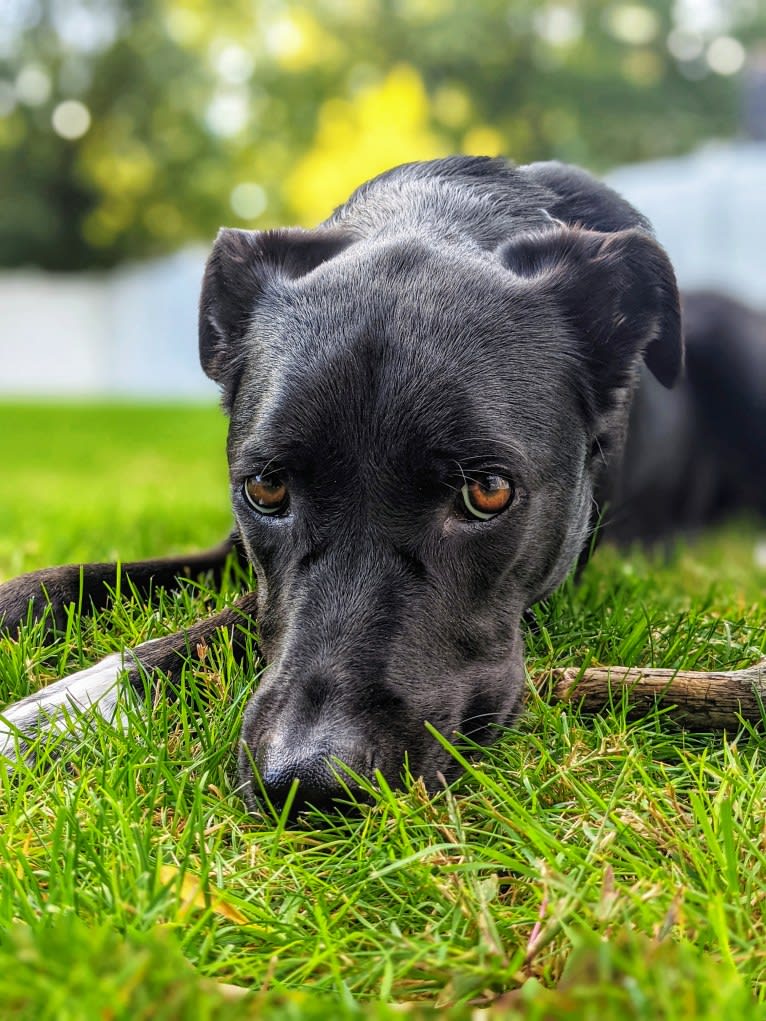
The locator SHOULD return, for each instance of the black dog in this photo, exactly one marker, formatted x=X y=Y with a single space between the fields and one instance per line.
x=697 y=454
x=428 y=397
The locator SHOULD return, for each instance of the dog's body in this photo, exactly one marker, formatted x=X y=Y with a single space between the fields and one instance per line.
x=697 y=453
x=428 y=398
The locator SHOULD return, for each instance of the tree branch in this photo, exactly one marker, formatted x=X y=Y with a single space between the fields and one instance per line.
x=715 y=700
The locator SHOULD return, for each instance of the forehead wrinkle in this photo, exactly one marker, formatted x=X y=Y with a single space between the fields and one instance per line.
x=400 y=278
x=363 y=407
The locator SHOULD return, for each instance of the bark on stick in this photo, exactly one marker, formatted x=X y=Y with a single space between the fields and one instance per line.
x=715 y=700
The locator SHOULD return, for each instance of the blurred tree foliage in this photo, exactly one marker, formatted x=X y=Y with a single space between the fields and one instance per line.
x=130 y=126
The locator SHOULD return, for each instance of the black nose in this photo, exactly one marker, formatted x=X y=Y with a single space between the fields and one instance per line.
x=322 y=781
x=317 y=785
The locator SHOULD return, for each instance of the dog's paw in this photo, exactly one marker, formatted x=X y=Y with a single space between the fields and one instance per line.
x=62 y=709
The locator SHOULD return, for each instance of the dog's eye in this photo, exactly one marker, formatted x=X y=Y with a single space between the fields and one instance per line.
x=487 y=496
x=266 y=494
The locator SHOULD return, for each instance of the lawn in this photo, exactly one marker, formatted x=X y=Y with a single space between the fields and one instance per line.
x=627 y=856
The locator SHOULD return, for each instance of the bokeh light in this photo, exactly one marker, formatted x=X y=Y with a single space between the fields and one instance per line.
x=33 y=85
x=70 y=119
x=726 y=55
x=248 y=200
x=144 y=126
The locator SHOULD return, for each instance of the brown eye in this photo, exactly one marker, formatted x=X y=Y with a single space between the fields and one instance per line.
x=266 y=494
x=486 y=497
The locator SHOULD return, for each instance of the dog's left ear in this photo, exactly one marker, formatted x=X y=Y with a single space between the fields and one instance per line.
x=238 y=271
x=619 y=292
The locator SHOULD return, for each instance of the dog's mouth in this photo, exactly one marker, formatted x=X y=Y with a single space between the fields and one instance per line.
x=332 y=785
x=291 y=772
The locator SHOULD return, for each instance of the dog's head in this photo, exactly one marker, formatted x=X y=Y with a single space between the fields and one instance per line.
x=416 y=437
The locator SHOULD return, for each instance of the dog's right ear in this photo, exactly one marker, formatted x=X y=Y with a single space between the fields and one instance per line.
x=240 y=267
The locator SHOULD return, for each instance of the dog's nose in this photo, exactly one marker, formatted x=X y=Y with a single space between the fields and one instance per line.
x=316 y=784
x=320 y=777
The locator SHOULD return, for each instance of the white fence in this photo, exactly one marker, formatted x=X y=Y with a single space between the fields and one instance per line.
x=133 y=332
x=709 y=211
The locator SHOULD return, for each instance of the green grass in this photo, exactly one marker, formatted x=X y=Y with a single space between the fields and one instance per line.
x=626 y=855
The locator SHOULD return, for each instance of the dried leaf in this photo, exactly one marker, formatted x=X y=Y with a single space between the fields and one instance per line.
x=194 y=896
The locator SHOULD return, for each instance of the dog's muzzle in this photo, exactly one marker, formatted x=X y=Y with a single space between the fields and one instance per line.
x=324 y=776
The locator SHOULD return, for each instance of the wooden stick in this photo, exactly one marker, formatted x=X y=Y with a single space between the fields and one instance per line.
x=717 y=700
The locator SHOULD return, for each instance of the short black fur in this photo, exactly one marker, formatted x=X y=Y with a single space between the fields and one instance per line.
x=454 y=321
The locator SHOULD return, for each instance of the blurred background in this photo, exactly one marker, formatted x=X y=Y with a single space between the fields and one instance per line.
x=130 y=130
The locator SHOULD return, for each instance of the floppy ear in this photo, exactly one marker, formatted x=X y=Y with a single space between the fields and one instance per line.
x=619 y=292
x=237 y=272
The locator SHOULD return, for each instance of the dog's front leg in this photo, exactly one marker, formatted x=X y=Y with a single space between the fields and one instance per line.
x=47 y=594
x=65 y=706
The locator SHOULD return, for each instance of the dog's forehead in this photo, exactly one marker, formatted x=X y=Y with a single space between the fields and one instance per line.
x=397 y=353
x=416 y=289
x=413 y=307
x=367 y=395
